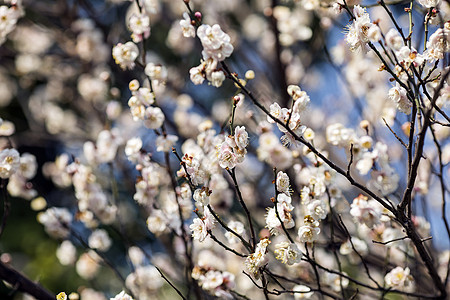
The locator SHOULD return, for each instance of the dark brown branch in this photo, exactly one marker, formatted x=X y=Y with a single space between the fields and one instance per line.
x=23 y=283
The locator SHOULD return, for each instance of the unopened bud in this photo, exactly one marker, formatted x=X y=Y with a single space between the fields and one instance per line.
x=133 y=85
x=249 y=75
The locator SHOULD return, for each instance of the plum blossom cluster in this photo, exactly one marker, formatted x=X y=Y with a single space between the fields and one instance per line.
x=125 y=54
x=281 y=214
x=290 y=117
x=216 y=47
x=9 y=15
x=362 y=30
x=141 y=108
x=399 y=278
x=255 y=261
x=188 y=201
x=215 y=282
x=232 y=151
x=368 y=158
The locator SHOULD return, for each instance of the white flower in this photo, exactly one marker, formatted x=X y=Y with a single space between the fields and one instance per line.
x=237 y=227
x=366 y=211
x=140 y=26
x=240 y=137
x=283 y=183
x=430 y=3
x=398 y=95
x=9 y=162
x=357 y=35
x=304 y=292
x=257 y=259
x=8 y=20
x=187 y=27
x=212 y=280
x=154 y=117
x=308 y=234
x=394 y=39
x=156 y=72
x=217 y=78
x=438 y=44
x=66 y=253
x=199 y=230
x=275 y=111
x=287 y=253
x=125 y=54
x=197 y=74
x=136 y=255
x=317 y=209
x=336 y=281
x=87 y=265
x=143 y=282
x=165 y=143
x=56 y=221
x=226 y=156
x=100 y=240
x=157 y=222
x=365 y=163
x=122 y=296
x=28 y=165
x=133 y=148
x=202 y=196
x=398 y=278
x=374 y=33
x=216 y=43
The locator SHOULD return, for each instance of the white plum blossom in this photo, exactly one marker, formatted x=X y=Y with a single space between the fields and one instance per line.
x=394 y=40
x=154 y=117
x=66 y=253
x=133 y=148
x=438 y=43
x=259 y=258
x=9 y=162
x=199 y=229
x=100 y=240
x=157 y=73
x=366 y=211
x=287 y=253
x=157 y=222
x=122 y=296
x=237 y=227
x=8 y=20
x=201 y=196
x=232 y=151
x=358 y=32
x=304 y=292
x=318 y=209
x=87 y=265
x=398 y=278
x=140 y=26
x=164 y=143
x=197 y=74
x=186 y=26
x=240 y=137
x=429 y=3
x=283 y=184
x=56 y=221
x=337 y=282
x=284 y=208
x=144 y=282
x=309 y=231
x=216 y=43
x=217 y=78
x=125 y=54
